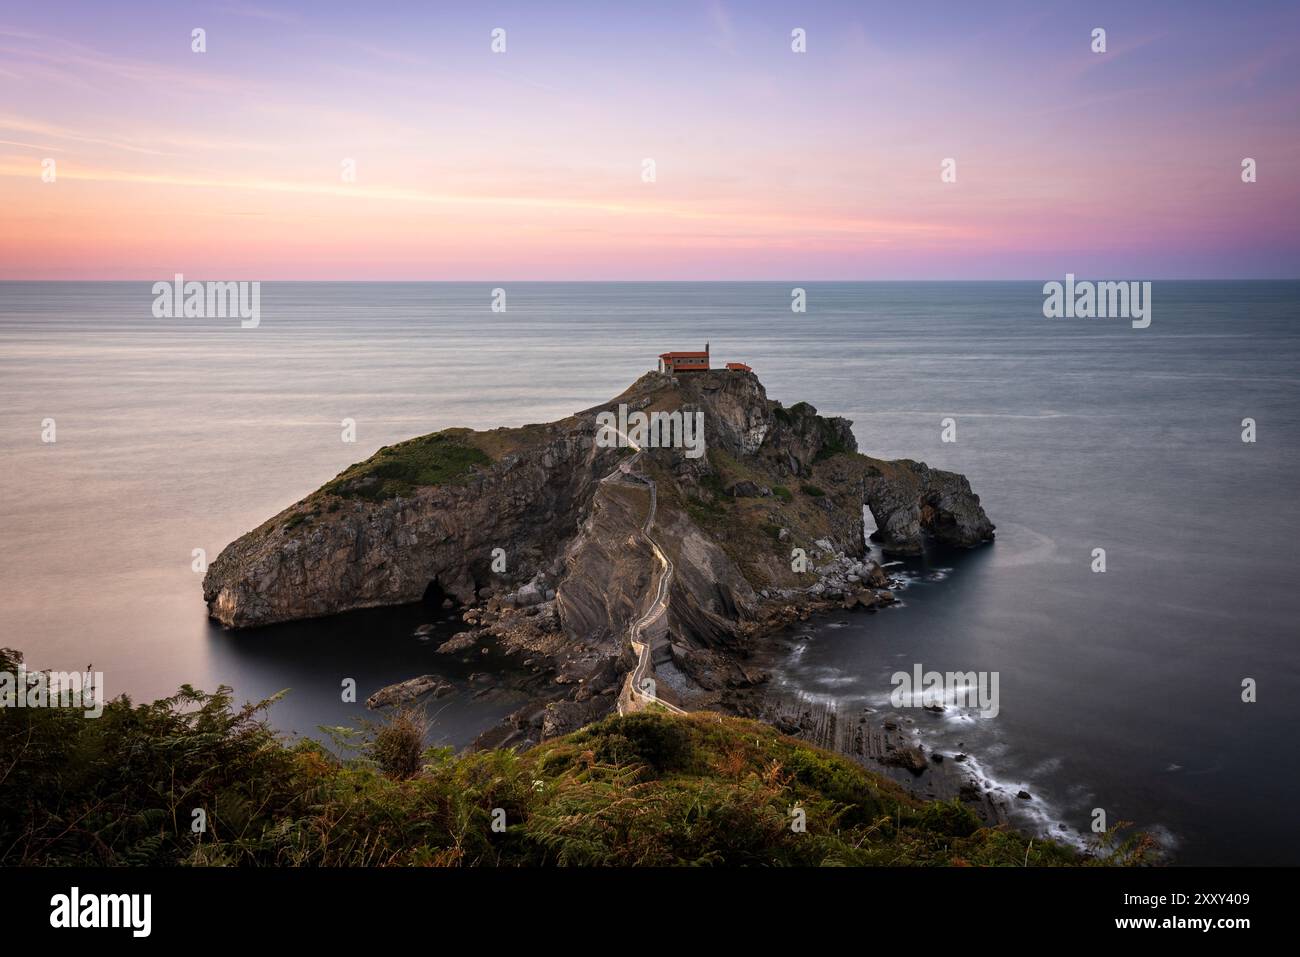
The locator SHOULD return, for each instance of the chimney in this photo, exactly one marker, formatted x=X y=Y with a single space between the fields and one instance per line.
x=706 y=348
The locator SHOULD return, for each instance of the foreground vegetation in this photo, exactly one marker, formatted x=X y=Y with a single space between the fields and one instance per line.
x=647 y=789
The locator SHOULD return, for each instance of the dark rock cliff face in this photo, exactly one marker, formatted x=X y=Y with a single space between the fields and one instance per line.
x=775 y=482
x=362 y=554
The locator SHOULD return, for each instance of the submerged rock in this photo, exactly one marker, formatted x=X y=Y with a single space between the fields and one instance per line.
x=462 y=642
x=404 y=692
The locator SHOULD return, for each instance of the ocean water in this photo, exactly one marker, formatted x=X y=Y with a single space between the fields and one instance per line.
x=1119 y=690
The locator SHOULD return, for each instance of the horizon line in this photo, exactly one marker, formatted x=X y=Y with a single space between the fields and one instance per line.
x=611 y=282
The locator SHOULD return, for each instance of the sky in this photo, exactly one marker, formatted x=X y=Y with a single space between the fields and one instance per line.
x=530 y=164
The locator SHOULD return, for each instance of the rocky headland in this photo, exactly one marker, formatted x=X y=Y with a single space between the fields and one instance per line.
x=536 y=534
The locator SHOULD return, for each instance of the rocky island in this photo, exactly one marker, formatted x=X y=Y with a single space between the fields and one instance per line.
x=547 y=539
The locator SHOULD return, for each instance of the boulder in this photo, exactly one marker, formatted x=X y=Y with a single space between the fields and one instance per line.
x=748 y=489
x=912 y=758
x=404 y=692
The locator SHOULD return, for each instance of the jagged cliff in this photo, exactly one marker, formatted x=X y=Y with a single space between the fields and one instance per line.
x=430 y=515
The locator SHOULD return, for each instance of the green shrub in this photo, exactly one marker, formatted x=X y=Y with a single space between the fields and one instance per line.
x=712 y=482
x=398 y=744
x=949 y=817
x=641 y=738
x=831 y=442
x=443 y=458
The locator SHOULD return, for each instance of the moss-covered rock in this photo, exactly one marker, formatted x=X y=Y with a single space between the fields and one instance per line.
x=441 y=458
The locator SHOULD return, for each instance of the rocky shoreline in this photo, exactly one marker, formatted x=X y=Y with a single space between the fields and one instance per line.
x=734 y=681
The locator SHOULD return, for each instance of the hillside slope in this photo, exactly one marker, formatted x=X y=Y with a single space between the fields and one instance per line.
x=647 y=789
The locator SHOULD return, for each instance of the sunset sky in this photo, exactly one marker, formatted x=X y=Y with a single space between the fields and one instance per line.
x=474 y=165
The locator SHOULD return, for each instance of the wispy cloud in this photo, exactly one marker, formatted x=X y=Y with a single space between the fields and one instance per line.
x=33 y=146
x=19 y=124
x=67 y=60
x=738 y=222
x=257 y=13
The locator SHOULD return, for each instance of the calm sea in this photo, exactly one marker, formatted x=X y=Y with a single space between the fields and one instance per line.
x=1119 y=690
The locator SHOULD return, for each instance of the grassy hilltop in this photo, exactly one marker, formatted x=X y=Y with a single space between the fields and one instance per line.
x=647 y=789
